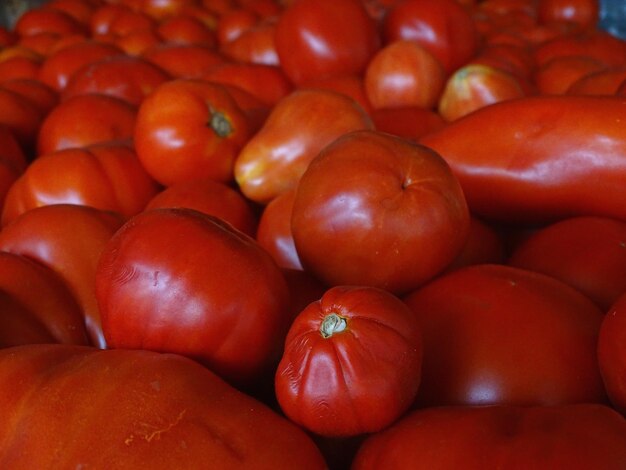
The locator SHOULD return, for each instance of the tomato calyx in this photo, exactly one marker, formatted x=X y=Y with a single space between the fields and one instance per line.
x=332 y=324
x=220 y=124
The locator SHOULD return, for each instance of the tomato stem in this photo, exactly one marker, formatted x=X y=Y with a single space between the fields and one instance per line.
x=220 y=124
x=332 y=324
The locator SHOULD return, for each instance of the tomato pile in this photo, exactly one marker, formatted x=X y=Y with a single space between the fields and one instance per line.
x=308 y=234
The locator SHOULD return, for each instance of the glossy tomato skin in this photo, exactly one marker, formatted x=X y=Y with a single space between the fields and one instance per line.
x=105 y=176
x=157 y=410
x=612 y=353
x=188 y=129
x=374 y=209
x=207 y=291
x=50 y=316
x=297 y=128
x=541 y=155
x=520 y=338
x=351 y=364
x=474 y=438
x=68 y=239
x=585 y=252
x=314 y=38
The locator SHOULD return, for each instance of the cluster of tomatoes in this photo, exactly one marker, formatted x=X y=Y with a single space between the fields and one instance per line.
x=312 y=234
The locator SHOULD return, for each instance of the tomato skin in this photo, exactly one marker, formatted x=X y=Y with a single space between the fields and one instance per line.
x=106 y=176
x=520 y=338
x=582 y=13
x=352 y=204
x=357 y=377
x=68 y=239
x=188 y=129
x=136 y=409
x=545 y=163
x=183 y=60
x=298 y=127
x=256 y=45
x=474 y=438
x=410 y=123
x=313 y=39
x=192 y=284
x=612 y=353
x=50 y=316
x=558 y=74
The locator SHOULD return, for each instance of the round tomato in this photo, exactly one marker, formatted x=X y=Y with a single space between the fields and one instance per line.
x=612 y=353
x=351 y=363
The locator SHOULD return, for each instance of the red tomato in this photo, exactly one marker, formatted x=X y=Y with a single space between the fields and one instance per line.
x=404 y=74
x=44 y=310
x=410 y=123
x=495 y=334
x=105 y=176
x=125 y=77
x=351 y=85
x=84 y=120
x=183 y=60
x=298 y=127
x=68 y=239
x=80 y=10
x=212 y=198
x=119 y=20
x=373 y=209
x=47 y=20
x=582 y=13
x=351 y=364
x=233 y=23
x=316 y=38
x=185 y=29
x=537 y=159
x=612 y=353
x=256 y=45
x=40 y=94
x=558 y=74
x=601 y=82
x=476 y=438
x=137 y=409
x=19 y=67
x=443 y=27
x=189 y=129
x=588 y=253
x=22 y=117
x=199 y=288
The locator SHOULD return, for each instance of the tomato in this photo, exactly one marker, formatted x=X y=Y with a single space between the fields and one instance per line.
x=105 y=176
x=211 y=197
x=443 y=27
x=485 y=244
x=612 y=353
x=298 y=127
x=233 y=23
x=188 y=129
x=519 y=338
x=48 y=20
x=410 y=123
x=351 y=85
x=185 y=29
x=22 y=117
x=119 y=20
x=136 y=409
x=137 y=42
x=84 y=120
x=557 y=75
x=475 y=86
x=403 y=74
x=588 y=253
x=256 y=45
x=474 y=438
x=199 y=288
x=50 y=316
x=80 y=10
x=542 y=156
x=126 y=77
x=274 y=231
x=351 y=363
x=602 y=82
x=40 y=94
x=58 y=67
x=316 y=38
x=163 y=9
x=582 y=13
x=19 y=67
x=68 y=239
x=374 y=209
x=182 y=60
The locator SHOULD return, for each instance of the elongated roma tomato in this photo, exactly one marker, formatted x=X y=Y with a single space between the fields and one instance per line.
x=541 y=158
x=352 y=362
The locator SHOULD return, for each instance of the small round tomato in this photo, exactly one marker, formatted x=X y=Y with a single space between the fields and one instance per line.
x=315 y=38
x=199 y=288
x=256 y=45
x=188 y=129
x=374 y=209
x=351 y=364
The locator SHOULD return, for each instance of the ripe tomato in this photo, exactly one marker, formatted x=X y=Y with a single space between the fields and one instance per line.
x=374 y=209
x=233 y=23
x=84 y=120
x=316 y=38
x=67 y=239
x=47 y=20
x=37 y=306
x=105 y=176
x=40 y=94
x=183 y=60
x=601 y=82
x=22 y=117
x=136 y=408
x=351 y=85
x=256 y=45
x=475 y=438
x=186 y=29
x=12 y=160
x=199 y=288
x=558 y=74
x=612 y=353
x=404 y=74
x=188 y=129
x=585 y=14
x=117 y=19
x=519 y=338
x=351 y=363
x=298 y=127
x=410 y=123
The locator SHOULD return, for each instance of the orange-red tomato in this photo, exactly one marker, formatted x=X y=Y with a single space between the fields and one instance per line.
x=351 y=85
x=118 y=19
x=183 y=60
x=612 y=353
x=582 y=13
x=185 y=29
x=48 y=20
x=602 y=82
x=556 y=75
x=188 y=129
x=233 y=23
x=410 y=123
x=37 y=92
x=22 y=117
x=256 y=45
